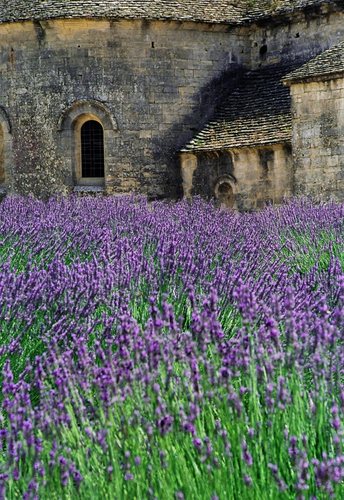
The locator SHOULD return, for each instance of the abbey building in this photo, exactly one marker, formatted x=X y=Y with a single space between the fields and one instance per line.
x=236 y=100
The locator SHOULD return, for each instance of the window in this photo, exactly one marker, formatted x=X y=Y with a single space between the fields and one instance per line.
x=87 y=138
x=92 y=149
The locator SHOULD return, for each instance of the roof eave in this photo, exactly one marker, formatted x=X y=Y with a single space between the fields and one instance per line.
x=243 y=19
x=287 y=14
x=236 y=146
x=313 y=78
x=124 y=18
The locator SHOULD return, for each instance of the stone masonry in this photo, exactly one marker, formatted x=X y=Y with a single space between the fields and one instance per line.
x=188 y=94
x=318 y=138
x=152 y=77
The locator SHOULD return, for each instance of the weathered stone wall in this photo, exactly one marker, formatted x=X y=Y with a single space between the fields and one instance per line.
x=210 y=168
x=257 y=176
x=298 y=37
x=318 y=138
x=155 y=78
x=263 y=175
x=157 y=83
x=6 y=158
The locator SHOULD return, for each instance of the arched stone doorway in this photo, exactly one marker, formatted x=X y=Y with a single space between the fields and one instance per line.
x=224 y=193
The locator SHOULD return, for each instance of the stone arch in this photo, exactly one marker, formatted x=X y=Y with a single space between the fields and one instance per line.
x=5 y=150
x=87 y=107
x=225 y=191
x=70 y=125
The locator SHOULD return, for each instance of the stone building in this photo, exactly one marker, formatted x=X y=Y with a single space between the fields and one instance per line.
x=234 y=99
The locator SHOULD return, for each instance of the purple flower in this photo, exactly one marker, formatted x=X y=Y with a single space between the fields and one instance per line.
x=224 y=372
x=197 y=442
x=259 y=299
x=77 y=477
x=165 y=424
x=247 y=480
x=246 y=455
x=65 y=478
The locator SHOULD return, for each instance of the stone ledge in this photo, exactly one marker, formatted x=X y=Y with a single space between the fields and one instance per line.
x=89 y=189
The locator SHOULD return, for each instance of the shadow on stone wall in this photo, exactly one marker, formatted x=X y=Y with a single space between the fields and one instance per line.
x=207 y=100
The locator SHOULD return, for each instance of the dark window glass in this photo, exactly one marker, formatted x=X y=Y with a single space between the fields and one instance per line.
x=92 y=149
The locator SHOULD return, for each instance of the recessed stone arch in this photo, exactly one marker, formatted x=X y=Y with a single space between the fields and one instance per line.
x=87 y=107
x=70 y=126
x=225 y=190
x=5 y=150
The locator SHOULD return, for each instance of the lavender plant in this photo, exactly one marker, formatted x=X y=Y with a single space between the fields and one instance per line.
x=171 y=350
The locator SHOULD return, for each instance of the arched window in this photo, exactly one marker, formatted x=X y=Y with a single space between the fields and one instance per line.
x=88 y=134
x=92 y=149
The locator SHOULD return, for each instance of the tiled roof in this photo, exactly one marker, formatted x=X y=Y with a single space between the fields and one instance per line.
x=230 y=11
x=256 y=112
x=325 y=65
x=213 y=11
x=264 y=9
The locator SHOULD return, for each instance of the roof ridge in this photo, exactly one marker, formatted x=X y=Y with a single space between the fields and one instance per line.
x=212 y=11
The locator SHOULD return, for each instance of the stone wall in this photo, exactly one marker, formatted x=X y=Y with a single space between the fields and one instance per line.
x=6 y=158
x=298 y=37
x=155 y=85
x=257 y=176
x=156 y=80
x=318 y=138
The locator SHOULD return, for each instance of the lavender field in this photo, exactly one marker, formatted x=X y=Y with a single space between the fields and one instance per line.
x=171 y=351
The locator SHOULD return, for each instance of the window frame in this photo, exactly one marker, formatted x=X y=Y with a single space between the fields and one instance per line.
x=68 y=125
x=80 y=180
